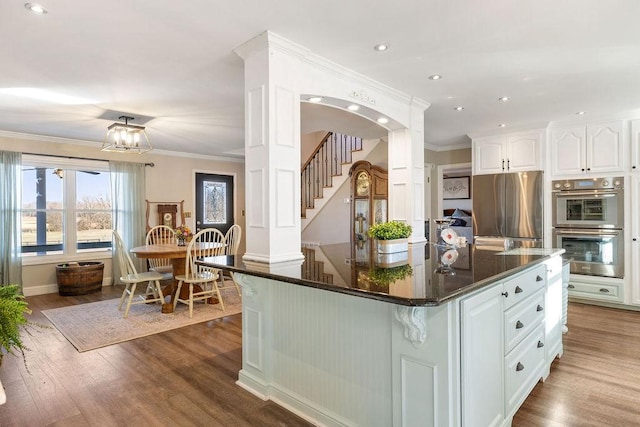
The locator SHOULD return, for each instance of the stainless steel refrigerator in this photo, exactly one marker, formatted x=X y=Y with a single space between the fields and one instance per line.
x=508 y=207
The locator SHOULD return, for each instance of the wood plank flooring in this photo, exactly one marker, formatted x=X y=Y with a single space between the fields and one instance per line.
x=182 y=377
x=597 y=380
x=187 y=377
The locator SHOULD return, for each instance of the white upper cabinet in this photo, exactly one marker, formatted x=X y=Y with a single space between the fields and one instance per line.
x=592 y=149
x=507 y=153
x=635 y=145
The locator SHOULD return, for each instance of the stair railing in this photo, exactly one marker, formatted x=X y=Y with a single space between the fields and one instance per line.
x=325 y=162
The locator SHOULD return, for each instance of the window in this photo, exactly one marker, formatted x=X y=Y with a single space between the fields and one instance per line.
x=66 y=206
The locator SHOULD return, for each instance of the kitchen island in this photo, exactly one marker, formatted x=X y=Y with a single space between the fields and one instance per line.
x=414 y=341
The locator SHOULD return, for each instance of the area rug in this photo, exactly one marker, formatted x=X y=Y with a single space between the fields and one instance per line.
x=99 y=324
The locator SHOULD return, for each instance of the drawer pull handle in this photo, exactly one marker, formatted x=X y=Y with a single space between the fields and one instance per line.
x=605 y=290
x=505 y=294
x=540 y=344
x=519 y=325
x=539 y=279
x=519 y=367
x=539 y=308
x=571 y=287
x=518 y=290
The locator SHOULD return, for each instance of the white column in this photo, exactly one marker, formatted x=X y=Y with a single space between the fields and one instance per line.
x=272 y=154
x=406 y=173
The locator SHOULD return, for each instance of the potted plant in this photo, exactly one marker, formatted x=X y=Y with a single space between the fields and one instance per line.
x=13 y=309
x=383 y=277
x=391 y=236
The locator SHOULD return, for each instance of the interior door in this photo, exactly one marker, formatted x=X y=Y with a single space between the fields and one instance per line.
x=214 y=202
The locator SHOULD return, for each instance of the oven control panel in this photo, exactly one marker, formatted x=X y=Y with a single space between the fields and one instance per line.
x=608 y=183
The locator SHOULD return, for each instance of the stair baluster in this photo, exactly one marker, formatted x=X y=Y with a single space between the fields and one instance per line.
x=326 y=162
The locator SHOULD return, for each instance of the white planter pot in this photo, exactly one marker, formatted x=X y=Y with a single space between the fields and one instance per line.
x=392 y=259
x=393 y=246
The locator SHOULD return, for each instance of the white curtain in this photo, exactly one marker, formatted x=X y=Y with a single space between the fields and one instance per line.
x=129 y=208
x=10 y=228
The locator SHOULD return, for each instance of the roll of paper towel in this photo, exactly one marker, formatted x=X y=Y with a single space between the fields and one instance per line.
x=493 y=243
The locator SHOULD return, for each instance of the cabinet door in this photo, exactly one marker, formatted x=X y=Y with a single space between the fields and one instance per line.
x=635 y=145
x=553 y=308
x=568 y=151
x=634 y=265
x=489 y=155
x=605 y=147
x=482 y=358
x=523 y=152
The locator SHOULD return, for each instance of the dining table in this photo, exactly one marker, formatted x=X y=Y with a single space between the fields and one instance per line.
x=177 y=255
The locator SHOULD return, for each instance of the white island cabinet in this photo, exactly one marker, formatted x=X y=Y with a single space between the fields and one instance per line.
x=428 y=350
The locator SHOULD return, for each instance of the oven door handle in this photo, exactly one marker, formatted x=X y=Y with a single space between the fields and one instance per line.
x=602 y=193
x=589 y=232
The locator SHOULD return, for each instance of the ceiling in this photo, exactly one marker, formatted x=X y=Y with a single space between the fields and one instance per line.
x=173 y=62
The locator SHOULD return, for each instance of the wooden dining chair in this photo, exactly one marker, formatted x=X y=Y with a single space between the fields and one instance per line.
x=130 y=277
x=202 y=281
x=158 y=235
x=232 y=242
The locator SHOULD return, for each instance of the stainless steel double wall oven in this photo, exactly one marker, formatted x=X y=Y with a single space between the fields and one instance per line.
x=588 y=221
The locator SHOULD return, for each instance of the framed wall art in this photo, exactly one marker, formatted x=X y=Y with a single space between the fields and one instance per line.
x=456 y=188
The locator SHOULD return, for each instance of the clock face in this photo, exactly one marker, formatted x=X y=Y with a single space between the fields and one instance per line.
x=168 y=219
x=362 y=184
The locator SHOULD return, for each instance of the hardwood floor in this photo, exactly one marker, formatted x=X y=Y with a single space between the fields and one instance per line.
x=187 y=377
x=597 y=380
x=182 y=377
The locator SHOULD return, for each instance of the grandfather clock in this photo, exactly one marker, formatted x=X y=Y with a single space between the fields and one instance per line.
x=369 y=195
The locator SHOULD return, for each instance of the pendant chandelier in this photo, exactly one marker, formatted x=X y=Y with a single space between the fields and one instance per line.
x=126 y=138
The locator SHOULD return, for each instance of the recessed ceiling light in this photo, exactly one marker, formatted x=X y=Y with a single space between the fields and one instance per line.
x=435 y=77
x=383 y=120
x=580 y=113
x=353 y=107
x=35 y=8
x=504 y=98
x=502 y=125
x=315 y=99
x=381 y=47
x=459 y=108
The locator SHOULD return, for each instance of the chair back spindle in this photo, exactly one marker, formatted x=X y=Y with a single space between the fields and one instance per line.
x=160 y=234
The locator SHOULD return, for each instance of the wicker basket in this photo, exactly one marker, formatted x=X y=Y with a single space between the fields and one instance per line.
x=79 y=278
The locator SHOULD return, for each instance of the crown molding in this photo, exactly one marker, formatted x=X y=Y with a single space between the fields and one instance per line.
x=439 y=148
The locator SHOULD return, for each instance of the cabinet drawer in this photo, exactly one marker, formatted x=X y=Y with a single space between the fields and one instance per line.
x=523 y=318
x=523 y=367
x=597 y=291
x=524 y=285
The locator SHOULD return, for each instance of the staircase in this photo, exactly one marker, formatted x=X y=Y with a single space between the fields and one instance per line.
x=327 y=169
x=314 y=270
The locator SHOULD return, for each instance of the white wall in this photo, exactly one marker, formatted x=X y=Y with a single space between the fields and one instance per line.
x=308 y=143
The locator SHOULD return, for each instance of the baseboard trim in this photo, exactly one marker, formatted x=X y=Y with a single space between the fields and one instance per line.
x=52 y=288
x=290 y=401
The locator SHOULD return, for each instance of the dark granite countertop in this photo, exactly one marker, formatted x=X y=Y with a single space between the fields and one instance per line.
x=414 y=278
